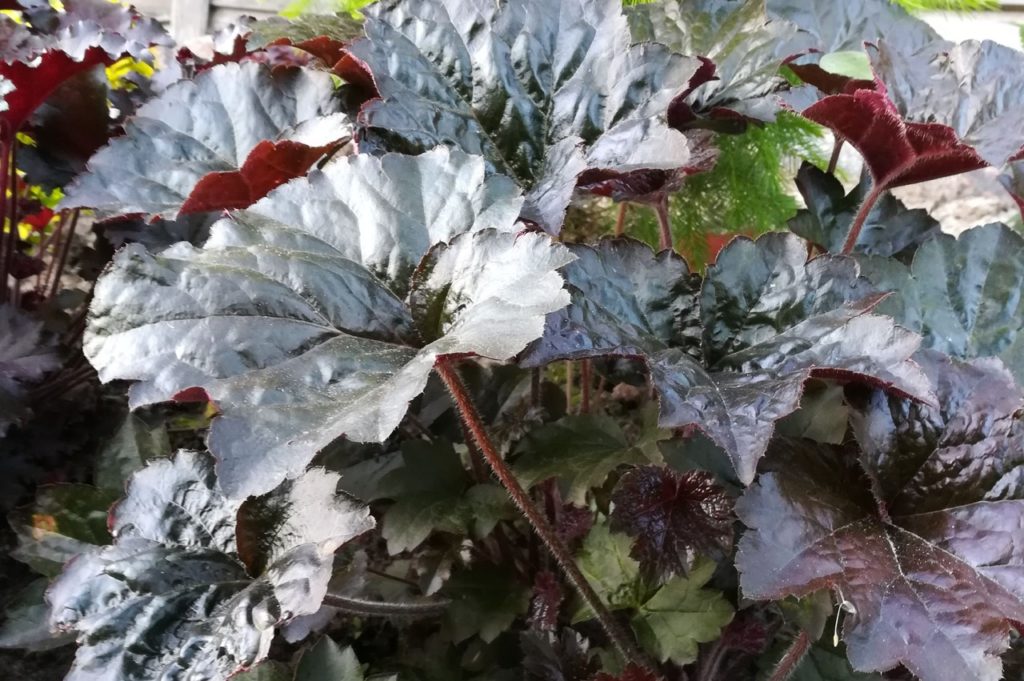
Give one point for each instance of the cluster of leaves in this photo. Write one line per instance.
(386, 424)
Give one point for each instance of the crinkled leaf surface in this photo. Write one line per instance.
(220, 141)
(172, 598)
(962, 294)
(671, 516)
(967, 87)
(283, 325)
(746, 47)
(542, 90)
(771, 319)
(891, 229)
(27, 354)
(920, 529)
(840, 26)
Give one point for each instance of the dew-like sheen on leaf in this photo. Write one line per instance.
(542, 90)
(172, 599)
(920, 530)
(288, 331)
(220, 141)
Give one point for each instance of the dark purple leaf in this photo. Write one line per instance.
(547, 657)
(918, 530)
(771, 320)
(27, 354)
(964, 294)
(588, 99)
(268, 165)
(891, 230)
(66, 130)
(632, 673)
(547, 601)
(672, 516)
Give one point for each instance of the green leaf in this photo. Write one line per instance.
(851, 63)
(605, 561)
(486, 600)
(135, 444)
(288, 316)
(297, 29)
(432, 493)
(27, 621)
(265, 671)
(327, 661)
(681, 615)
(580, 452)
(64, 521)
(174, 561)
(822, 664)
(576, 94)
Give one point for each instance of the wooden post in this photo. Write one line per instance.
(189, 18)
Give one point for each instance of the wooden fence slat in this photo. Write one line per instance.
(189, 18)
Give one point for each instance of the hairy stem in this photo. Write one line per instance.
(837, 149)
(368, 608)
(664, 223)
(471, 417)
(862, 216)
(787, 665)
(620, 221)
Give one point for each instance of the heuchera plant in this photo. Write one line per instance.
(386, 424)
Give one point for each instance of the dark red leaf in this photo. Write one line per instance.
(573, 524)
(34, 84)
(649, 186)
(633, 673)
(671, 515)
(269, 165)
(24, 266)
(919, 529)
(828, 82)
(547, 601)
(896, 152)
